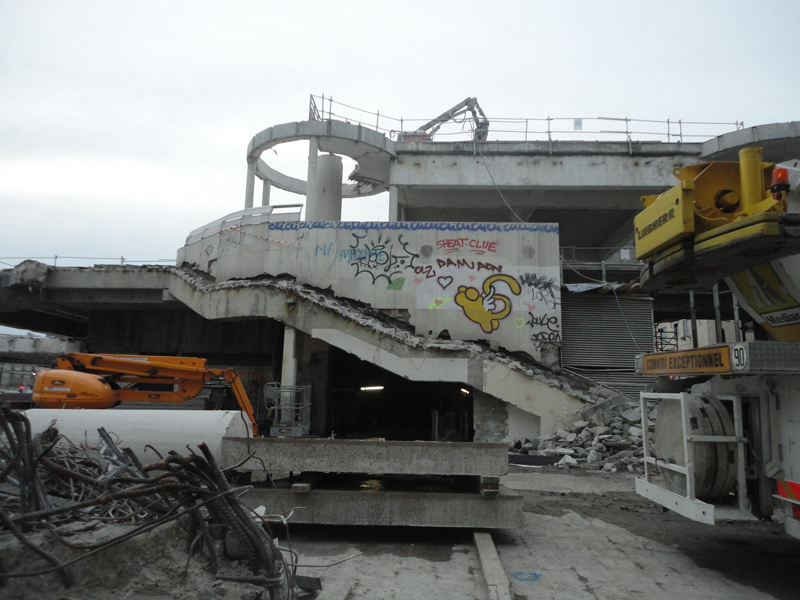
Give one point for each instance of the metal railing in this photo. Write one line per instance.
(611, 255)
(666, 339)
(257, 215)
(55, 258)
(548, 129)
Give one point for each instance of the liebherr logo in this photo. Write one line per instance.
(651, 227)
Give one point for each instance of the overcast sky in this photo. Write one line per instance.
(124, 125)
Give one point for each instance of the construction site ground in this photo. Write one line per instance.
(587, 536)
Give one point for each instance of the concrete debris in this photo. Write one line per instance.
(567, 461)
(608, 439)
(633, 415)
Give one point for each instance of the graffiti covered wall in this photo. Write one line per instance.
(492, 281)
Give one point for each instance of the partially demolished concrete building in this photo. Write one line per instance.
(455, 320)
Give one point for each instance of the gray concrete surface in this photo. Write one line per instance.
(35, 349)
(586, 535)
(593, 482)
(582, 558)
(366, 456)
(416, 508)
(780, 141)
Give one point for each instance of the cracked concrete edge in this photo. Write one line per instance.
(282, 299)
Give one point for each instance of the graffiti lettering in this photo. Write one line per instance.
(229, 241)
(450, 245)
(325, 250)
(348, 255)
(381, 258)
(545, 336)
(549, 329)
(548, 322)
(426, 270)
(543, 289)
(469, 264)
(490, 267)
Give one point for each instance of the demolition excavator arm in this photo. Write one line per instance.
(468, 105)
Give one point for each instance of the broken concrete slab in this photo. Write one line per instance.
(632, 415)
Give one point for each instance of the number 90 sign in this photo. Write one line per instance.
(738, 357)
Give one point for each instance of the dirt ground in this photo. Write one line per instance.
(587, 536)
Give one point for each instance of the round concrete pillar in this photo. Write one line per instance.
(324, 197)
(265, 192)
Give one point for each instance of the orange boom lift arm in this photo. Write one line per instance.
(104, 380)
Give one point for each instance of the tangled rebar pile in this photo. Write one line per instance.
(47, 481)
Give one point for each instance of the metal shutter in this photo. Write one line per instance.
(600, 344)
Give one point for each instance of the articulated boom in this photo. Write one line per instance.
(97, 381)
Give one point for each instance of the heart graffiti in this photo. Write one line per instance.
(437, 303)
(445, 281)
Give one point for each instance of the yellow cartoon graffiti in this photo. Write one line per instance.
(481, 308)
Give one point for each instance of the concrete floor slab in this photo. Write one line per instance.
(366, 456)
(393, 508)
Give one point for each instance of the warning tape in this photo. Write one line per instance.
(789, 490)
(239, 228)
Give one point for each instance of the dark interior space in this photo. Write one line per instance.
(366, 401)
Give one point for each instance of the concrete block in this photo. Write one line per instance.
(338, 590)
(490, 487)
(493, 571)
(633, 415)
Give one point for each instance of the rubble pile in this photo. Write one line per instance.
(607, 437)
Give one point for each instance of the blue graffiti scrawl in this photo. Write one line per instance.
(384, 257)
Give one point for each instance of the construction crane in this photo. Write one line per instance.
(727, 414)
(426, 132)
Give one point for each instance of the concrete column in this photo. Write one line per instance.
(316, 360)
(394, 204)
(311, 177)
(489, 417)
(324, 198)
(289, 368)
(250, 188)
(265, 190)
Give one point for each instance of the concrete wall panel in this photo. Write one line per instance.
(553, 406)
(497, 282)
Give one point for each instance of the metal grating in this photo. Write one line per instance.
(600, 344)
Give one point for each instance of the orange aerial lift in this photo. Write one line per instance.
(99, 381)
